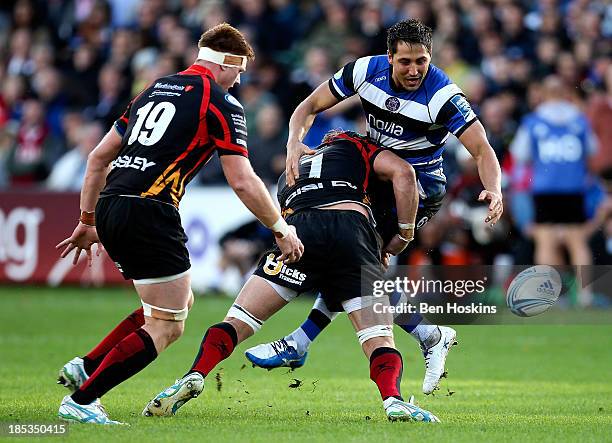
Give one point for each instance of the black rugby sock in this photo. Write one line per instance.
(128, 357)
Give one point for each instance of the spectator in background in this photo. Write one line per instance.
(568, 70)
(83, 69)
(599, 112)
(601, 226)
(498, 125)
(43, 56)
(333, 31)
(24, 15)
(123, 12)
(47, 83)
(12, 92)
(449, 60)
(110, 103)
(241, 248)
(557, 140)
(34, 150)
(124, 43)
(547, 51)
(254, 98)
(371, 28)
(68, 172)
(518, 40)
(93, 18)
(267, 145)
(304, 79)
(19, 59)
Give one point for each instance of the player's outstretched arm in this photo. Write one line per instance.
(475, 140)
(390, 167)
(253, 193)
(300, 122)
(98, 161)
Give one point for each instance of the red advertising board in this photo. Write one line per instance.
(31, 224)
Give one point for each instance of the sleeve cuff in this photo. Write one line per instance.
(462, 129)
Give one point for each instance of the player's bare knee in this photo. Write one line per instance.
(380, 342)
(174, 330)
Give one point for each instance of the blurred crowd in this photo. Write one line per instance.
(69, 67)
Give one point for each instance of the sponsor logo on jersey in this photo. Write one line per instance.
(302, 189)
(343, 183)
(160, 85)
(239, 120)
(165, 94)
(188, 88)
(125, 161)
(380, 79)
(422, 222)
(231, 99)
(388, 127)
(462, 105)
(278, 268)
(392, 104)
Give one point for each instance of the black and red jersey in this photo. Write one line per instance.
(170, 130)
(339, 172)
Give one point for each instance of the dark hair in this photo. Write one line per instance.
(225, 38)
(408, 31)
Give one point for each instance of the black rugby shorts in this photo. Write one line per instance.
(144, 237)
(341, 256)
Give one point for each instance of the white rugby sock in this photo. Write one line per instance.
(428, 335)
(312, 326)
(302, 342)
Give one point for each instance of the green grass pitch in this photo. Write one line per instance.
(508, 383)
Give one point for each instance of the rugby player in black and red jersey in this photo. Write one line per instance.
(329, 206)
(134, 182)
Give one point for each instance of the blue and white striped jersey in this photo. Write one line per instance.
(415, 124)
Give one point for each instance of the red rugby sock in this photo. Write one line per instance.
(218, 343)
(128, 357)
(131, 323)
(386, 371)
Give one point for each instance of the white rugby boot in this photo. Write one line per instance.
(435, 358)
(399, 410)
(73, 375)
(276, 354)
(167, 402)
(92, 413)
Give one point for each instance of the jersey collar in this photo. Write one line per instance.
(196, 69)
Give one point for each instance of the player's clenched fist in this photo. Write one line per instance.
(295, 150)
(291, 246)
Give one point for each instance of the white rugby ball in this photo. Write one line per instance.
(534, 290)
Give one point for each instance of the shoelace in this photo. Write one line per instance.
(280, 346)
(426, 353)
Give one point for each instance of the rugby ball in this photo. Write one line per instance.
(534, 290)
